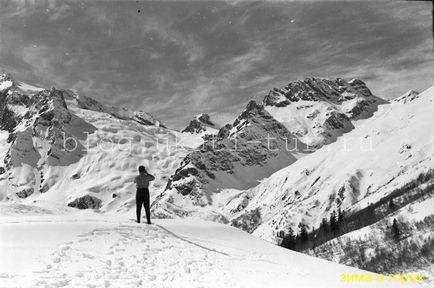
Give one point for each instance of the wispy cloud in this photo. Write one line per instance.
(226, 75)
(156, 28)
(178, 59)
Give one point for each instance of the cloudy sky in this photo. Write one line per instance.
(178, 59)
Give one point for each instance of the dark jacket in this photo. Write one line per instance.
(143, 179)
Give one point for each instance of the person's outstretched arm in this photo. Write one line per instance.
(150, 177)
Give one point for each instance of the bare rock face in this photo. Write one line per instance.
(352, 98)
(25, 193)
(44, 133)
(302, 115)
(317, 89)
(8, 119)
(47, 119)
(319, 110)
(407, 97)
(248, 221)
(199, 124)
(195, 127)
(206, 119)
(50, 142)
(38, 122)
(336, 121)
(255, 141)
(86, 202)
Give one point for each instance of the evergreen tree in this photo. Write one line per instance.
(289, 240)
(324, 226)
(392, 204)
(395, 229)
(340, 216)
(333, 221)
(303, 233)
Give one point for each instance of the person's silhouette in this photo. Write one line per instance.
(142, 194)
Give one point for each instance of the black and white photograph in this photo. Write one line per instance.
(216, 144)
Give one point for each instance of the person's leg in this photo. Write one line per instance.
(139, 201)
(147, 208)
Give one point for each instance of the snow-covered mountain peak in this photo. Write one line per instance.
(318, 110)
(317, 89)
(6, 81)
(350, 174)
(84, 102)
(247, 117)
(205, 118)
(263, 138)
(253, 123)
(62, 147)
(6, 77)
(19, 111)
(9, 83)
(242, 153)
(201, 124)
(252, 109)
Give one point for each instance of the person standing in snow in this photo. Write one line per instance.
(142, 194)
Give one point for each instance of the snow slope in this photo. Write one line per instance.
(60, 148)
(375, 248)
(319, 110)
(289, 123)
(91, 250)
(381, 154)
(242, 153)
(44, 172)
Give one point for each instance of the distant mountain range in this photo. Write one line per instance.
(308, 150)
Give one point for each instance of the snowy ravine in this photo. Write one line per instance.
(91, 250)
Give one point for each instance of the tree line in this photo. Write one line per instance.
(339, 223)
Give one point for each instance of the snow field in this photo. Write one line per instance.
(91, 250)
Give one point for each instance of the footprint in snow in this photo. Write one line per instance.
(101, 233)
(152, 277)
(64, 248)
(41, 282)
(86, 234)
(60, 283)
(56, 260)
(88, 256)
